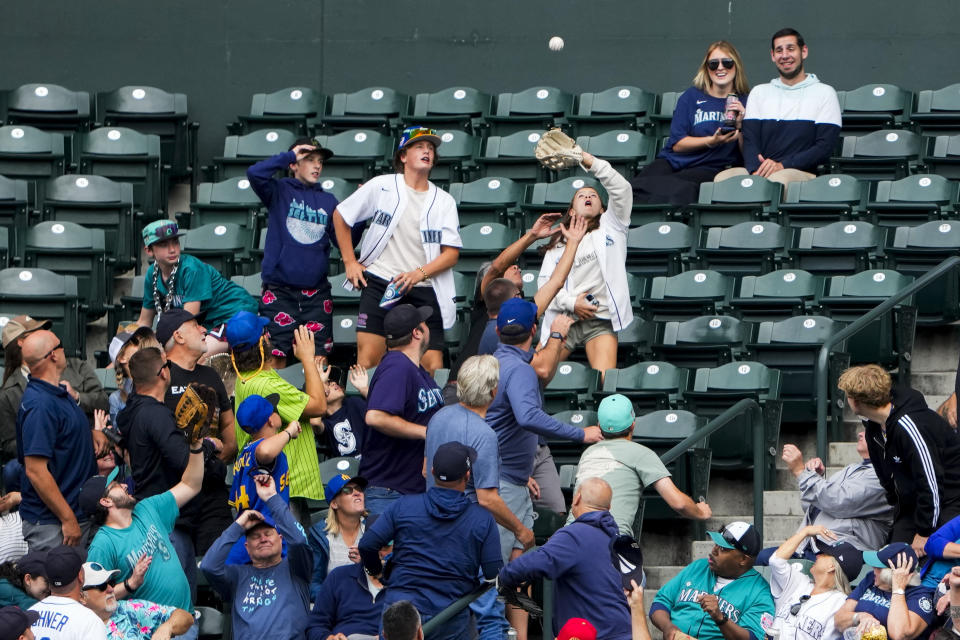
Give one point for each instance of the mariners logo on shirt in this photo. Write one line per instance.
(304, 223)
(926, 604)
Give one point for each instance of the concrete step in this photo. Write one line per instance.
(730, 495)
(840, 454)
(782, 503)
(934, 383)
(657, 576)
(715, 523)
(935, 349)
(780, 527)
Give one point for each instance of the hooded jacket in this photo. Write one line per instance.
(917, 461)
(796, 125)
(586, 584)
(299, 225)
(441, 540)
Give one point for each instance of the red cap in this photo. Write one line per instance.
(577, 629)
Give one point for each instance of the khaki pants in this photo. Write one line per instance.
(784, 176)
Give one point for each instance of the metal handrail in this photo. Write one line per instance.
(855, 327)
(741, 407)
(454, 608)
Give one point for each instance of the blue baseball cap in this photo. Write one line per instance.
(881, 559)
(516, 316)
(255, 410)
(336, 484)
(244, 329)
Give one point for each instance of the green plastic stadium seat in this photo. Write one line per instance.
(210, 622)
(937, 112)
(888, 154)
(154, 111)
(942, 156)
(108, 379)
(626, 150)
(252, 284)
(126, 155)
(687, 294)
(887, 341)
(50, 107)
(481, 243)
(735, 200)
(748, 248)
(916, 250)
(839, 247)
(705, 341)
(372, 108)
(568, 452)
(358, 154)
(874, 106)
(635, 342)
(622, 107)
(793, 346)
(130, 305)
(340, 188)
(44, 294)
(296, 109)
(490, 199)
(344, 302)
(27, 153)
(345, 335)
(293, 375)
(68, 248)
(456, 156)
(462, 108)
(912, 200)
(534, 108)
(649, 385)
(14, 212)
(228, 201)
(717, 389)
(664, 112)
(96, 203)
(777, 295)
(512, 157)
(332, 467)
(572, 387)
(823, 200)
(660, 248)
(4, 247)
(220, 245)
(239, 152)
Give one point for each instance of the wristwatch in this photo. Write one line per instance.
(723, 620)
(556, 334)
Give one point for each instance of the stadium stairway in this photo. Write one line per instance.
(731, 496)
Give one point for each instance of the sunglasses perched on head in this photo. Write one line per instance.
(727, 63)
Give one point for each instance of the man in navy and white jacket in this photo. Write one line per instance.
(585, 585)
(792, 123)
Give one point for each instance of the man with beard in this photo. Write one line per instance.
(792, 123)
(402, 399)
(250, 350)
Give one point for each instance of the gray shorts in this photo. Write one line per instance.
(517, 499)
(583, 331)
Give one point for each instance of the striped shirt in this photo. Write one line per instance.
(305, 481)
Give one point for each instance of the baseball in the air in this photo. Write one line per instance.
(556, 43)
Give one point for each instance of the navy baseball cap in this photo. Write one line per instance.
(516, 316)
(244, 329)
(339, 481)
(94, 489)
(452, 461)
(881, 559)
(848, 556)
(403, 319)
(255, 410)
(63, 565)
(738, 535)
(170, 321)
(34, 563)
(14, 621)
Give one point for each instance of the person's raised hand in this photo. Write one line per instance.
(576, 230)
(543, 227)
(323, 367)
(583, 308)
(902, 570)
(140, 571)
(303, 150)
(101, 443)
(250, 518)
(820, 531)
(634, 596)
(293, 429)
(359, 378)
(304, 345)
(100, 418)
(592, 434)
(704, 512)
(815, 465)
(793, 458)
(266, 487)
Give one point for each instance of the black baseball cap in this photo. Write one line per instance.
(403, 319)
(848, 556)
(323, 151)
(170, 321)
(63, 565)
(452, 461)
(14, 621)
(738, 535)
(34, 563)
(627, 557)
(94, 489)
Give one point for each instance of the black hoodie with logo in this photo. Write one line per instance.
(917, 462)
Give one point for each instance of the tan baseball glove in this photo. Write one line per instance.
(196, 411)
(557, 151)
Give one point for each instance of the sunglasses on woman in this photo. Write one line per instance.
(727, 63)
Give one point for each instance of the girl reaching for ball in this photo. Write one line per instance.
(595, 293)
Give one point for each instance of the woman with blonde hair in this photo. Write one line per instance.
(803, 603)
(701, 144)
(334, 540)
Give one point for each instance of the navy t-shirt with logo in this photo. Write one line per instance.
(873, 600)
(403, 389)
(346, 428)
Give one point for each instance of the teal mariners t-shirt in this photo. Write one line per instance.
(153, 520)
(746, 600)
(197, 281)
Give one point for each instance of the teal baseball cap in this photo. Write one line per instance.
(615, 414)
(160, 230)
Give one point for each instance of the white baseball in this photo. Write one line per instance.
(556, 43)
